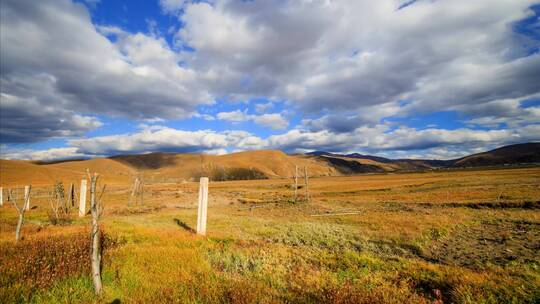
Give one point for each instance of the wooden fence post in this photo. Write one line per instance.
(307, 185)
(96, 209)
(27, 197)
(1, 196)
(295, 183)
(141, 190)
(21, 209)
(203, 206)
(71, 195)
(82, 199)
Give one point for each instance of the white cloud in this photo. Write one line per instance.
(509, 112)
(233, 116)
(343, 55)
(343, 121)
(274, 121)
(27, 120)
(380, 139)
(263, 107)
(172, 6)
(51, 53)
(346, 65)
(158, 138)
(204, 116)
(45, 155)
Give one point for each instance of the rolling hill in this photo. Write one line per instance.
(17, 172)
(241, 165)
(170, 167)
(527, 153)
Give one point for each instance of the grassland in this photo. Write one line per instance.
(455, 237)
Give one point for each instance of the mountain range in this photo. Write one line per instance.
(261, 164)
(527, 153)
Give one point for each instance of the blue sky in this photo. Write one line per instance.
(435, 79)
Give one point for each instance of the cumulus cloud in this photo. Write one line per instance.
(343, 121)
(379, 139)
(233, 116)
(348, 54)
(45, 155)
(25, 120)
(204, 116)
(346, 65)
(274, 121)
(51, 53)
(172, 6)
(263, 107)
(159, 138)
(506, 112)
(413, 142)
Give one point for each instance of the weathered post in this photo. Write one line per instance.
(71, 197)
(141, 189)
(295, 183)
(96, 209)
(82, 202)
(21, 210)
(307, 185)
(203, 206)
(1, 196)
(134, 190)
(27, 197)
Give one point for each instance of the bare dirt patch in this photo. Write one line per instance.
(137, 210)
(493, 205)
(495, 242)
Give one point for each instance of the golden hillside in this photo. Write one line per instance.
(163, 167)
(170, 167)
(17, 172)
(179, 167)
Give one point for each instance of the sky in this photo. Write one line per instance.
(397, 78)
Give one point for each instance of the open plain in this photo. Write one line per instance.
(454, 236)
(270, 151)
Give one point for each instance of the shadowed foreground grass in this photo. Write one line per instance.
(413, 250)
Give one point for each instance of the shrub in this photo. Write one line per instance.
(221, 174)
(61, 204)
(38, 263)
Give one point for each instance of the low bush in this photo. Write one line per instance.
(37, 263)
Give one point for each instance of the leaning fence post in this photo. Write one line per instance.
(203, 206)
(27, 197)
(21, 210)
(82, 202)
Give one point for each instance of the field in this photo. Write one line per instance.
(468, 236)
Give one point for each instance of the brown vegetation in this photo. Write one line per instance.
(455, 237)
(40, 261)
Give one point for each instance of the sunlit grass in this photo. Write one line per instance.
(279, 253)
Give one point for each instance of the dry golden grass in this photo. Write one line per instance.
(465, 234)
(162, 168)
(19, 173)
